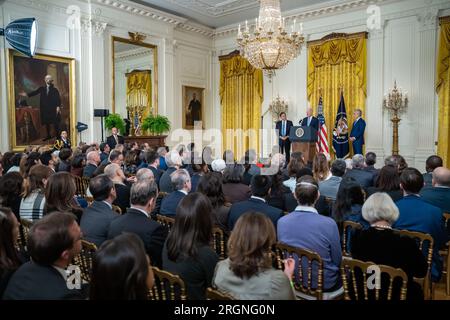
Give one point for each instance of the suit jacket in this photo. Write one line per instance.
(170, 203)
(418, 215)
(428, 178)
(95, 222)
(47, 103)
(437, 196)
(103, 156)
(112, 142)
(314, 122)
(151, 232)
(89, 170)
(252, 204)
(278, 127)
(157, 173)
(165, 183)
(329, 188)
(36, 282)
(364, 178)
(123, 196)
(236, 192)
(358, 132)
(374, 172)
(63, 166)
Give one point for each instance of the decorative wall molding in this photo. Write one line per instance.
(133, 53)
(96, 27)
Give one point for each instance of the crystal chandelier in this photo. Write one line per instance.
(270, 47)
(278, 106)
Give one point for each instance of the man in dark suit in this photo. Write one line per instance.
(418, 215)
(283, 128)
(49, 105)
(439, 193)
(114, 139)
(53, 242)
(96, 219)
(115, 173)
(310, 120)
(181, 182)
(174, 162)
(432, 163)
(364, 178)
(330, 187)
(357, 133)
(152, 159)
(92, 162)
(371, 159)
(195, 110)
(104, 151)
(260, 186)
(137, 220)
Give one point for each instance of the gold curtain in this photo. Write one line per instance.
(334, 62)
(141, 80)
(443, 90)
(241, 96)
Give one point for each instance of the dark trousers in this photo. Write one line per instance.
(285, 148)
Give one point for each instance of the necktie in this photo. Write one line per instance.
(284, 129)
(48, 89)
(115, 138)
(309, 121)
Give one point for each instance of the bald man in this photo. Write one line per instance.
(310, 120)
(439, 194)
(92, 162)
(49, 105)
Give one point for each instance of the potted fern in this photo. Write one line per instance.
(156, 124)
(115, 120)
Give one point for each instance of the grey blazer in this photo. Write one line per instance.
(329, 188)
(95, 222)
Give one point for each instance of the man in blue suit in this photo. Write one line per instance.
(283, 128)
(439, 194)
(357, 133)
(418, 215)
(260, 186)
(181, 182)
(310, 120)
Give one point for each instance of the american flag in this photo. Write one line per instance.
(322, 143)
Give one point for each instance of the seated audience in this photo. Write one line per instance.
(33, 196)
(181, 182)
(349, 202)
(364, 178)
(92, 162)
(381, 245)
(233, 187)
(77, 165)
(371, 159)
(115, 173)
(247, 273)
(145, 174)
(228, 157)
(306, 229)
(64, 160)
(388, 181)
(260, 187)
(162, 151)
(321, 170)
(10, 190)
(173, 161)
(97, 217)
(10, 259)
(199, 170)
(31, 160)
(136, 220)
(152, 159)
(60, 195)
(131, 162)
(296, 166)
(278, 192)
(121, 270)
(104, 151)
(210, 185)
(418, 215)
(187, 251)
(396, 161)
(15, 163)
(6, 161)
(329, 188)
(439, 193)
(49, 159)
(53, 242)
(432, 163)
(218, 165)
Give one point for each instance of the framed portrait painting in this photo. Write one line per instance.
(193, 106)
(41, 99)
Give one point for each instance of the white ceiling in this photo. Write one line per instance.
(220, 13)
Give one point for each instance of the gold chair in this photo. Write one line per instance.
(24, 230)
(422, 239)
(116, 209)
(356, 282)
(167, 286)
(446, 258)
(306, 286)
(219, 243)
(84, 259)
(79, 183)
(214, 294)
(165, 221)
(348, 227)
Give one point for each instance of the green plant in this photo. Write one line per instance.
(157, 125)
(115, 120)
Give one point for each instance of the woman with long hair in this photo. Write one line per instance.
(121, 270)
(187, 251)
(9, 256)
(388, 181)
(233, 187)
(30, 160)
(349, 201)
(248, 274)
(33, 196)
(60, 195)
(211, 186)
(10, 189)
(296, 168)
(321, 169)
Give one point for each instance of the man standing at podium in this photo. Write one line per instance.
(310, 120)
(357, 134)
(284, 127)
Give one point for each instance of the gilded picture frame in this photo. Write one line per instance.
(31, 123)
(191, 109)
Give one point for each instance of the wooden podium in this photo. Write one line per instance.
(153, 141)
(303, 139)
